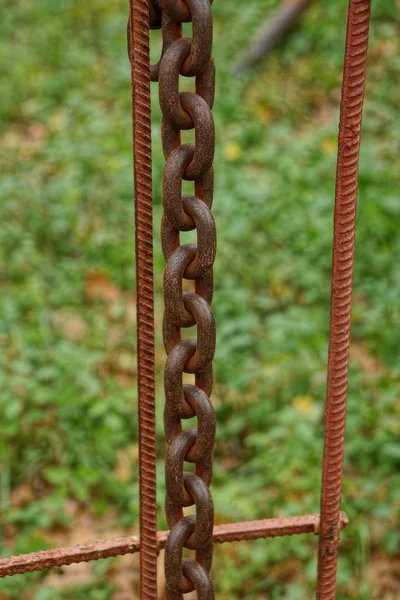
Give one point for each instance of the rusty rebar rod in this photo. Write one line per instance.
(231, 532)
(141, 116)
(342, 279)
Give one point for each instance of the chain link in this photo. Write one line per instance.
(190, 57)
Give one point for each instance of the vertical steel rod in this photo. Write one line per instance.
(342, 280)
(141, 114)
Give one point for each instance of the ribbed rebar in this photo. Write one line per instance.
(141, 114)
(230, 532)
(342, 280)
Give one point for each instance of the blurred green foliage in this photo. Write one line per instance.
(67, 378)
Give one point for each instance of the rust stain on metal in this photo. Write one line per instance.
(181, 111)
(37, 561)
(141, 115)
(342, 280)
(190, 57)
(267, 528)
(231, 532)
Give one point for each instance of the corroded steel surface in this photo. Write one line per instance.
(232, 532)
(190, 57)
(342, 280)
(139, 50)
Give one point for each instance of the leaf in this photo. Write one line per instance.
(100, 287)
(304, 405)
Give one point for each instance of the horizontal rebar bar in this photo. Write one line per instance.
(231, 532)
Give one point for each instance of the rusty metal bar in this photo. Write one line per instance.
(232, 532)
(342, 280)
(141, 116)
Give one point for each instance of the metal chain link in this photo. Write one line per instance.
(190, 57)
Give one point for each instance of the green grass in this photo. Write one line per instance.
(67, 335)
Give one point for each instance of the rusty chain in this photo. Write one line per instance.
(190, 57)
